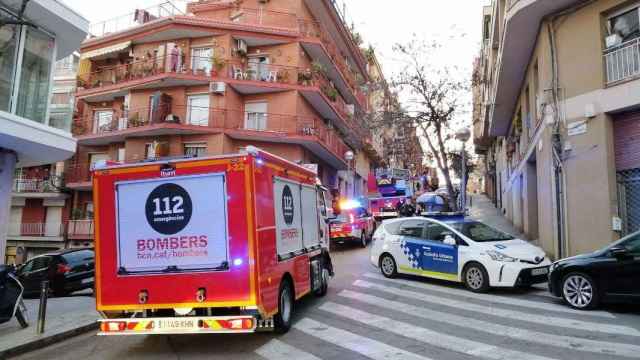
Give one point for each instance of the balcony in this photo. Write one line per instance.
(622, 62)
(310, 132)
(114, 81)
(78, 177)
(136, 18)
(320, 45)
(52, 184)
(36, 230)
(521, 27)
(166, 119)
(80, 229)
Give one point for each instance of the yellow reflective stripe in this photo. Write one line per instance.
(431, 274)
(213, 324)
(141, 325)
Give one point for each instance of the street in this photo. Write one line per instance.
(367, 316)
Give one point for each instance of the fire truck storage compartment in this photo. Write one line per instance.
(297, 227)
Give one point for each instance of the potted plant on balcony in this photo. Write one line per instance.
(318, 68)
(218, 64)
(330, 92)
(305, 77)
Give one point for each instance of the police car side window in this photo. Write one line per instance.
(413, 228)
(437, 232)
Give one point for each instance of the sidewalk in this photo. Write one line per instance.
(66, 317)
(484, 211)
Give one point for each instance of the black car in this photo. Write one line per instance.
(611, 274)
(66, 270)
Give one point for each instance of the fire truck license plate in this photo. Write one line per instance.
(175, 324)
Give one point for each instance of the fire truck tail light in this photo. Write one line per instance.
(113, 326)
(237, 324)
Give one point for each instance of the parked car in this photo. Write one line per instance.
(611, 274)
(66, 270)
(458, 250)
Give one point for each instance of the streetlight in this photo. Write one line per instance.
(349, 156)
(463, 135)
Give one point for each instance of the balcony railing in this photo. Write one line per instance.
(313, 29)
(80, 229)
(36, 229)
(78, 173)
(136, 18)
(623, 61)
(262, 17)
(38, 185)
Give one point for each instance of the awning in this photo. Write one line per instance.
(106, 50)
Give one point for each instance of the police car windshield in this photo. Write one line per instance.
(480, 232)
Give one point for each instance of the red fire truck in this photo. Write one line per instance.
(208, 245)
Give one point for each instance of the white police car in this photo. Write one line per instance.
(458, 250)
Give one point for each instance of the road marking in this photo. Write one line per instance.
(561, 341)
(278, 350)
(368, 347)
(510, 314)
(490, 298)
(434, 338)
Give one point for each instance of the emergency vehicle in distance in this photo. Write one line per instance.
(458, 250)
(220, 244)
(390, 189)
(352, 223)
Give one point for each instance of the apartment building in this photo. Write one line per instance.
(283, 75)
(28, 136)
(557, 119)
(39, 208)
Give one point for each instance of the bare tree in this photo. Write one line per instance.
(436, 93)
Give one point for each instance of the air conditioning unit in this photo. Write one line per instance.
(217, 87)
(613, 40)
(241, 46)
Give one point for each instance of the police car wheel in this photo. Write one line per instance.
(579, 291)
(285, 308)
(388, 266)
(475, 278)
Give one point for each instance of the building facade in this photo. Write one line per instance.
(39, 207)
(28, 137)
(557, 103)
(282, 75)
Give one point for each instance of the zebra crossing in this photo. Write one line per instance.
(406, 318)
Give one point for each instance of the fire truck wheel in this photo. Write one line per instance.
(324, 279)
(285, 307)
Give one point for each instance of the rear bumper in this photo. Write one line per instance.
(182, 325)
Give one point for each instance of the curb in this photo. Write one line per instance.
(47, 340)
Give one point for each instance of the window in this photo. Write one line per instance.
(413, 228)
(198, 110)
(61, 120)
(256, 116)
(633, 245)
(97, 157)
(103, 121)
(88, 210)
(625, 26)
(40, 263)
(480, 232)
(79, 257)
(121, 154)
(437, 232)
(9, 35)
(35, 75)
(201, 59)
(196, 149)
(259, 68)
